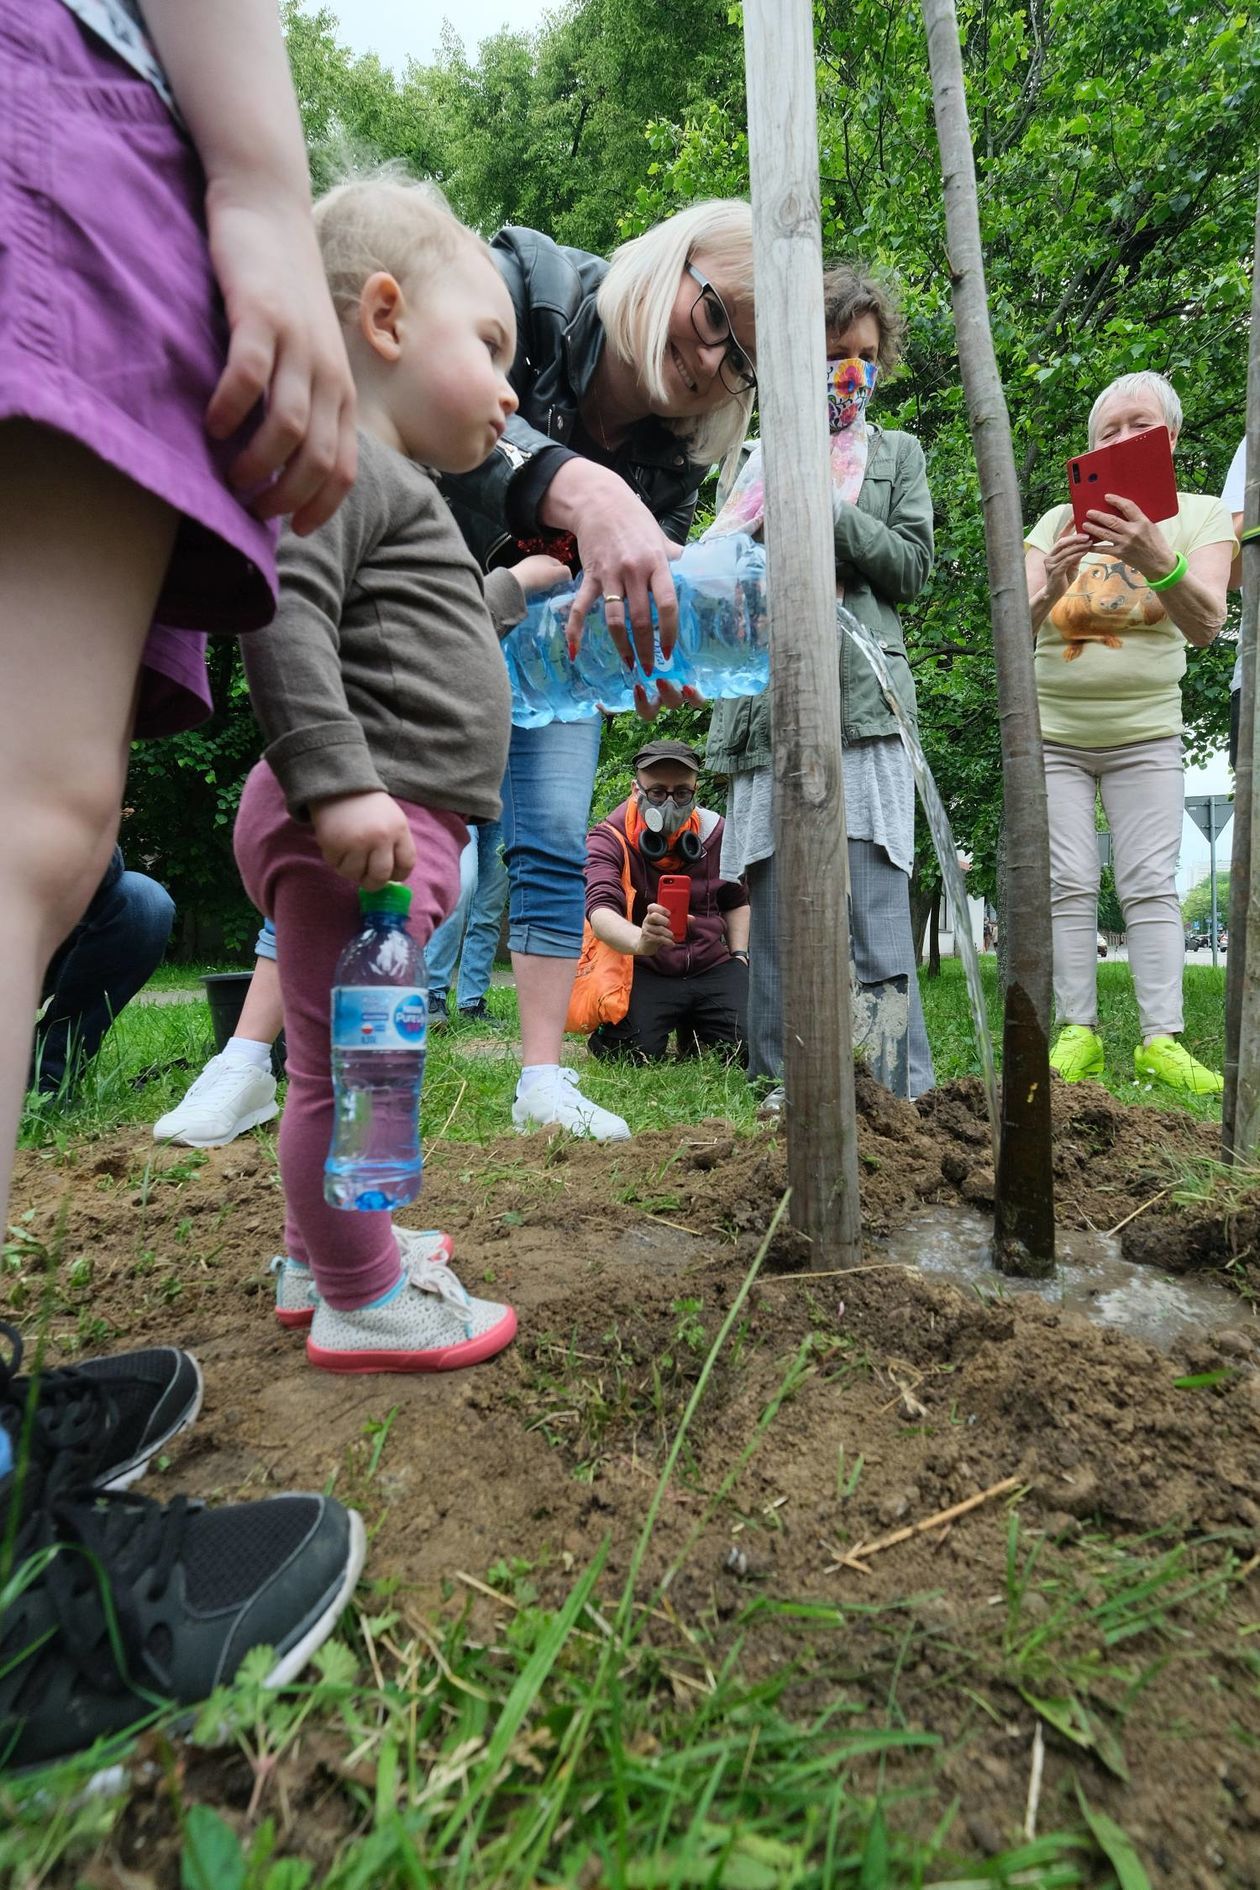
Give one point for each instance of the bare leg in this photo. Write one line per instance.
(543, 989)
(262, 1013)
(83, 555)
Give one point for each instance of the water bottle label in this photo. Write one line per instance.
(378, 1017)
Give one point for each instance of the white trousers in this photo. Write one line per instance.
(1143, 795)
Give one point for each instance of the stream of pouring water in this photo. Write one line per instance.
(946, 853)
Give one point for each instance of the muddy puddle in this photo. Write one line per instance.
(1091, 1277)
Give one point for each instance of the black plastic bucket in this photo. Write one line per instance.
(225, 994)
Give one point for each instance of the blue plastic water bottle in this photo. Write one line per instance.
(723, 646)
(380, 1015)
(723, 623)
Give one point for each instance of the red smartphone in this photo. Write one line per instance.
(674, 893)
(1139, 468)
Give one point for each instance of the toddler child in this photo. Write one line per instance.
(385, 704)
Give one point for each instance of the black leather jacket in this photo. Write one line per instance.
(558, 345)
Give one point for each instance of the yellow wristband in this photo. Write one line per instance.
(1174, 576)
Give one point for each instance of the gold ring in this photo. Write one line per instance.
(613, 597)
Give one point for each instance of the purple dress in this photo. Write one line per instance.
(112, 327)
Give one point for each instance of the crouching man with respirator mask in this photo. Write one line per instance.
(655, 897)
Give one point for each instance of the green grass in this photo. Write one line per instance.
(470, 1082)
(565, 1752)
(170, 977)
(953, 1045)
(154, 1050)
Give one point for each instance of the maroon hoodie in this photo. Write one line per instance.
(711, 895)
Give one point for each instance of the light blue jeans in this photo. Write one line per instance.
(483, 885)
(546, 811)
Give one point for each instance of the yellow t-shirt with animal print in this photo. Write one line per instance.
(1109, 662)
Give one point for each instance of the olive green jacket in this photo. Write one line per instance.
(883, 557)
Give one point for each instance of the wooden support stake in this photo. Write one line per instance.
(810, 850)
(1240, 1119)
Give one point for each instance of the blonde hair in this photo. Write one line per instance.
(637, 296)
(1144, 382)
(385, 219)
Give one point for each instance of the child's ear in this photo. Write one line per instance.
(380, 315)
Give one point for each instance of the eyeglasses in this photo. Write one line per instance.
(713, 327)
(680, 796)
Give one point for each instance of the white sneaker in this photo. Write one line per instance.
(297, 1295)
(431, 1325)
(226, 1099)
(555, 1101)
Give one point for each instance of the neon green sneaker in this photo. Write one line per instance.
(1077, 1053)
(1164, 1060)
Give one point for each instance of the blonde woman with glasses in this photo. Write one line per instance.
(634, 375)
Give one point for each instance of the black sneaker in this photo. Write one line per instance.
(111, 1414)
(477, 1013)
(119, 1608)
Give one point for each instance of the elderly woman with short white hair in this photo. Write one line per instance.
(1113, 608)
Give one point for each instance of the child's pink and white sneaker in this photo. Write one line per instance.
(429, 1324)
(297, 1295)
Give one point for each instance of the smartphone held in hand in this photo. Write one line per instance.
(674, 893)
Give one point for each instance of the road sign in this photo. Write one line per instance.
(1210, 812)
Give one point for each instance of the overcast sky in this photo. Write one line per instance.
(398, 30)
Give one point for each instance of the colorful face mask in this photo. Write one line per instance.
(850, 382)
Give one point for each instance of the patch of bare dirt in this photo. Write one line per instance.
(622, 1262)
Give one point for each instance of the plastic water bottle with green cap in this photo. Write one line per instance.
(380, 1021)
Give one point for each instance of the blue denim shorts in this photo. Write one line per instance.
(546, 812)
(265, 943)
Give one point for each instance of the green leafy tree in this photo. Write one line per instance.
(182, 794)
(1110, 914)
(1115, 151)
(1196, 907)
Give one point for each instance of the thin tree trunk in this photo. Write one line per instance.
(934, 935)
(1240, 1120)
(805, 670)
(1024, 1200)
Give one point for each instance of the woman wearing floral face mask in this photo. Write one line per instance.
(883, 539)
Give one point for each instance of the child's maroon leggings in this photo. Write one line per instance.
(354, 1256)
